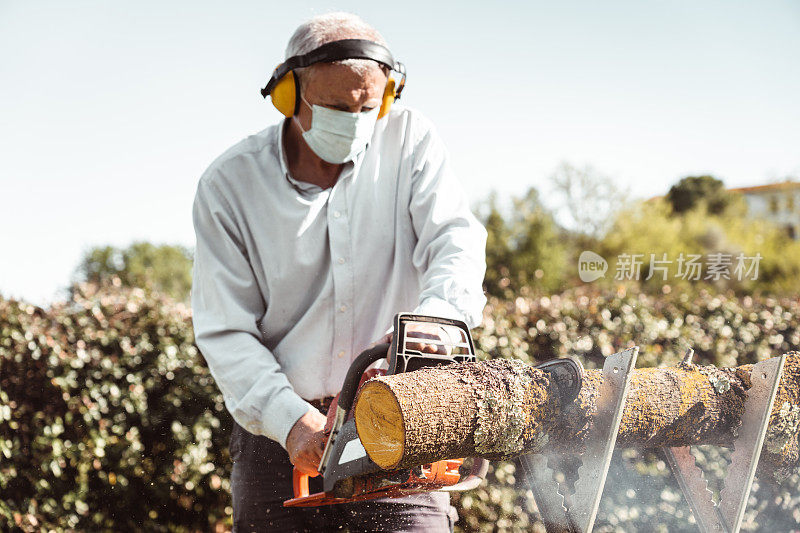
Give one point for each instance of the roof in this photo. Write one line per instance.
(770, 187)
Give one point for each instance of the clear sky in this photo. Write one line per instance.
(111, 110)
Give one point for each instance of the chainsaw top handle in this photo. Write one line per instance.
(357, 368)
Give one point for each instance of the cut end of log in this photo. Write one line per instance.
(379, 422)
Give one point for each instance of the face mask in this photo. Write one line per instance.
(338, 136)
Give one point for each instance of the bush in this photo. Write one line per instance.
(109, 420)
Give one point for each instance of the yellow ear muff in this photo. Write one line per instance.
(284, 95)
(388, 98)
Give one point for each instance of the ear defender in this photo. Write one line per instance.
(284, 89)
(284, 94)
(389, 94)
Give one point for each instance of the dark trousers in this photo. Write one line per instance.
(262, 480)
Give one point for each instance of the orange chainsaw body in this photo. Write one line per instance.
(366, 482)
(429, 477)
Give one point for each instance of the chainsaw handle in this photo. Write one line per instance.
(357, 368)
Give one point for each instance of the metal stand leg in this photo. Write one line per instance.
(579, 516)
(727, 515)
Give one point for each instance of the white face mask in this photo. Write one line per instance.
(338, 136)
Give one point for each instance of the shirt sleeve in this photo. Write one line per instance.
(451, 243)
(226, 307)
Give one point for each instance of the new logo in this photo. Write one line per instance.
(591, 266)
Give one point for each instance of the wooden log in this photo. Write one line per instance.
(503, 408)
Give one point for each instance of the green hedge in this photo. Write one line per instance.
(109, 419)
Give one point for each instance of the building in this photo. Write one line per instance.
(776, 202)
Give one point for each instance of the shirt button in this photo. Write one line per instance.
(340, 354)
(343, 308)
(341, 260)
(337, 214)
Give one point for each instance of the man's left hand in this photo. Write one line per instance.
(306, 442)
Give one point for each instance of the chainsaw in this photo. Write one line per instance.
(348, 473)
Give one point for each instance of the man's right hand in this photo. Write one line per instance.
(434, 332)
(306, 442)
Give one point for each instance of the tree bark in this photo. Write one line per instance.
(499, 409)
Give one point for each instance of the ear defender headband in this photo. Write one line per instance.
(284, 89)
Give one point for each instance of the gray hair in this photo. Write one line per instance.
(332, 27)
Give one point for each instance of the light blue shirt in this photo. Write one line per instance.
(292, 282)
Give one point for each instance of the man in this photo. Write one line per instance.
(311, 235)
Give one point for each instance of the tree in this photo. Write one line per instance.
(587, 200)
(498, 249)
(539, 257)
(165, 268)
(692, 191)
(524, 248)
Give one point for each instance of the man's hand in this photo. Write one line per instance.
(306, 442)
(434, 332)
